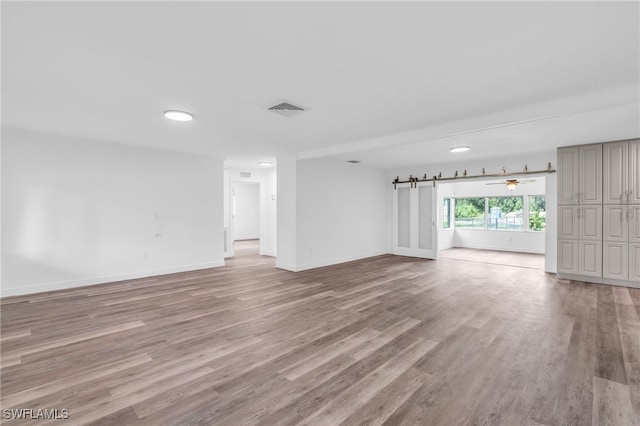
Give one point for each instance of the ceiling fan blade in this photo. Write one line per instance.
(495, 183)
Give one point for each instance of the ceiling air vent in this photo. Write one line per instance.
(245, 174)
(287, 109)
(353, 161)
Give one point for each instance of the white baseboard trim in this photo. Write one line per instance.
(598, 280)
(267, 253)
(102, 279)
(286, 266)
(499, 248)
(323, 263)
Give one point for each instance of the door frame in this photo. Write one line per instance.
(231, 235)
(414, 222)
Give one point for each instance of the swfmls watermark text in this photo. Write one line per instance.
(35, 414)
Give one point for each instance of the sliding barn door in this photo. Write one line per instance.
(414, 221)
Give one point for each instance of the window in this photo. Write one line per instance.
(446, 213)
(506, 213)
(497, 213)
(537, 217)
(469, 213)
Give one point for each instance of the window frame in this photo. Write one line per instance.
(484, 227)
(543, 230)
(523, 226)
(446, 213)
(526, 213)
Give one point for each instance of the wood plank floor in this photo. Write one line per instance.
(524, 260)
(387, 340)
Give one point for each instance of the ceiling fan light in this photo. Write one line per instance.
(511, 185)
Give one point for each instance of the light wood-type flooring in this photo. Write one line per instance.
(507, 258)
(386, 340)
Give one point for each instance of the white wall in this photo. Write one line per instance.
(446, 236)
(269, 224)
(551, 231)
(267, 180)
(226, 204)
(287, 213)
(505, 240)
(522, 242)
(246, 211)
(79, 211)
(342, 212)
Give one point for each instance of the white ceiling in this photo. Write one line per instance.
(422, 75)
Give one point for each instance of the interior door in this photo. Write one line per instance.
(414, 220)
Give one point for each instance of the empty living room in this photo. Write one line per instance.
(320, 213)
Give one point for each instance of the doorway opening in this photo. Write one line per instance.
(245, 214)
(250, 213)
(488, 221)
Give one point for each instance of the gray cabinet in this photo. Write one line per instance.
(568, 253)
(568, 175)
(616, 223)
(590, 175)
(580, 210)
(568, 222)
(616, 237)
(599, 212)
(634, 173)
(615, 167)
(580, 175)
(634, 263)
(615, 261)
(621, 210)
(633, 214)
(590, 222)
(590, 260)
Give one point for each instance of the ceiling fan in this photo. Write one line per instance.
(510, 183)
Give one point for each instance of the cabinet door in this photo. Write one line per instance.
(634, 262)
(634, 174)
(614, 264)
(590, 261)
(568, 252)
(615, 172)
(634, 224)
(568, 223)
(615, 223)
(568, 176)
(591, 223)
(590, 170)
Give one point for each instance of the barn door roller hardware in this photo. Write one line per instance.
(413, 181)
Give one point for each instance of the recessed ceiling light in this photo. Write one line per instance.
(265, 163)
(459, 149)
(178, 115)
